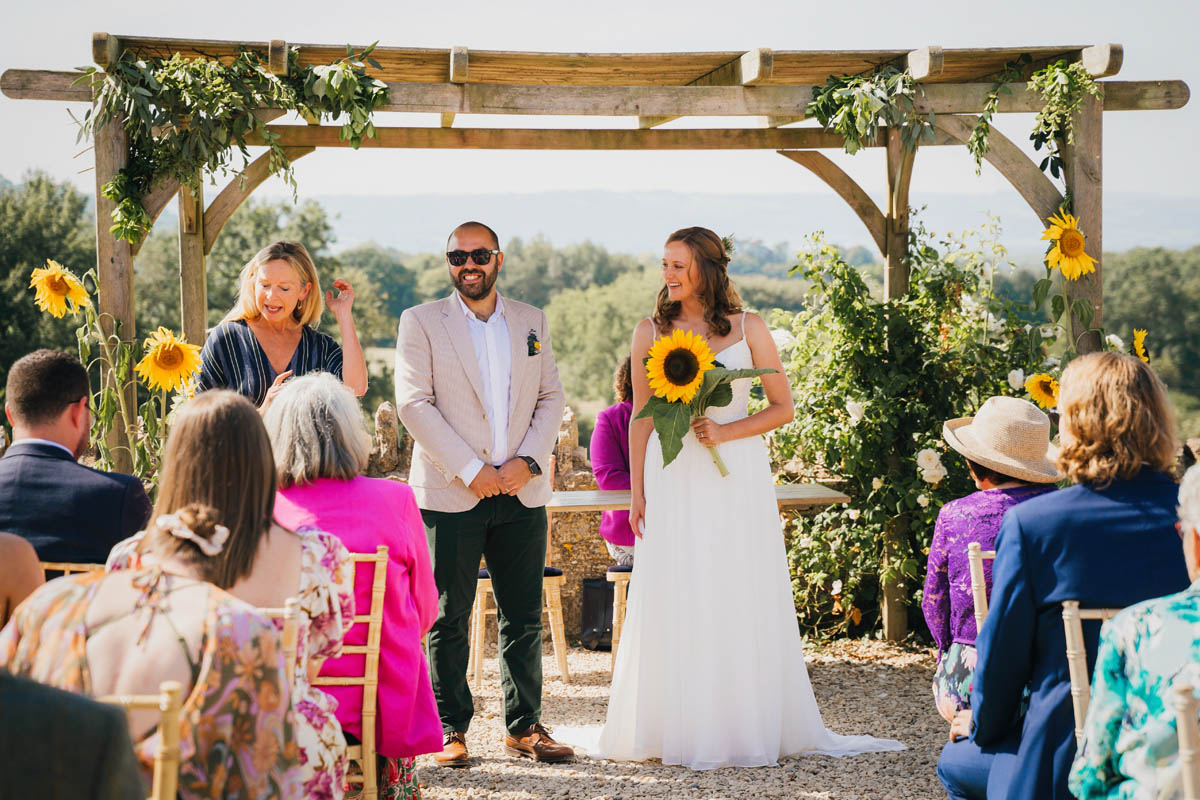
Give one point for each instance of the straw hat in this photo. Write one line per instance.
(1008, 435)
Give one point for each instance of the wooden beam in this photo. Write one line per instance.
(926, 62)
(1102, 60)
(844, 185)
(106, 49)
(1083, 162)
(459, 65)
(752, 67)
(193, 283)
(239, 189)
(1032, 184)
(277, 57)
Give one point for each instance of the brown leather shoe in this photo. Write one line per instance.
(454, 751)
(536, 743)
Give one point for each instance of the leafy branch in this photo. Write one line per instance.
(1063, 88)
(855, 106)
(978, 145)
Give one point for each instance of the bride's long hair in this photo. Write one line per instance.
(716, 292)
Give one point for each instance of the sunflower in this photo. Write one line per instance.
(1067, 253)
(57, 288)
(676, 365)
(1043, 389)
(1139, 344)
(169, 362)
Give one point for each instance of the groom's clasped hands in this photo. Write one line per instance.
(509, 478)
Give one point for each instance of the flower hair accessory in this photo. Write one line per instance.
(173, 525)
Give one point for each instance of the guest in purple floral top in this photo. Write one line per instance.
(1005, 446)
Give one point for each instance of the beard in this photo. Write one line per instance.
(479, 290)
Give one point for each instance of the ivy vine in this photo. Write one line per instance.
(855, 106)
(978, 145)
(185, 116)
(1063, 88)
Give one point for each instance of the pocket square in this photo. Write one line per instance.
(535, 346)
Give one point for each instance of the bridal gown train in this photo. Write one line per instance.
(710, 671)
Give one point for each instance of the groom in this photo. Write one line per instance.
(477, 388)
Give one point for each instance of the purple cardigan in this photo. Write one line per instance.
(948, 604)
(610, 464)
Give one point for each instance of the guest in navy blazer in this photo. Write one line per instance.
(67, 511)
(1109, 541)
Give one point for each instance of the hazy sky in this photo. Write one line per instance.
(1144, 151)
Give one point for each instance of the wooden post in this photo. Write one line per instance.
(895, 286)
(114, 270)
(193, 292)
(1083, 164)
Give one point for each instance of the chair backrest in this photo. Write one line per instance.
(369, 680)
(168, 701)
(290, 637)
(975, 556)
(1081, 690)
(68, 568)
(1189, 740)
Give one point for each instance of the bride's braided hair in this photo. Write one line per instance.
(714, 289)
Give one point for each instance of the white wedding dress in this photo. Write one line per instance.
(710, 671)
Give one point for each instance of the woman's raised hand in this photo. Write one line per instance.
(342, 303)
(273, 390)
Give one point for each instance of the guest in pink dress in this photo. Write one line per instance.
(321, 446)
(610, 463)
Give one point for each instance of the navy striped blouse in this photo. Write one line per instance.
(232, 358)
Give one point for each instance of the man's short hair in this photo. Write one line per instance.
(42, 384)
(478, 225)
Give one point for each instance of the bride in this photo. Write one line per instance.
(710, 672)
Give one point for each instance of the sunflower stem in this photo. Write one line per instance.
(716, 457)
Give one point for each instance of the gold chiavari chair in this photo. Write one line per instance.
(975, 556)
(1081, 688)
(69, 568)
(290, 636)
(169, 702)
(1189, 740)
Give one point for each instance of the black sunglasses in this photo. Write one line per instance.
(459, 257)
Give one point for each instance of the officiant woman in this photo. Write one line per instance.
(271, 334)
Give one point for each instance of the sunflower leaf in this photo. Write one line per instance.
(672, 422)
(720, 396)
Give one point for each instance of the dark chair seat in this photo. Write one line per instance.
(620, 568)
(547, 572)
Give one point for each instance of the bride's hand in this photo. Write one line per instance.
(637, 514)
(708, 432)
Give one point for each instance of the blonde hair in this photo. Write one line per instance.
(1118, 418)
(308, 311)
(317, 430)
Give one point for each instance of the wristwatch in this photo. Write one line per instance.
(534, 469)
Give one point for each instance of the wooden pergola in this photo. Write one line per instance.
(769, 89)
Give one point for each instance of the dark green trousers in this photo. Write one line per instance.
(512, 540)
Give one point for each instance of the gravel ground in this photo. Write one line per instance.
(862, 687)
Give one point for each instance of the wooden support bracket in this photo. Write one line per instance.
(752, 67)
(106, 49)
(238, 190)
(926, 62)
(833, 175)
(1102, 60)
(277, 57)
(458, 64)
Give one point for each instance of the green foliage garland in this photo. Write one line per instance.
(855, 106)
(1063, 88)
(977, 145)
(185, 115)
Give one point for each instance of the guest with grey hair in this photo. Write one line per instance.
(321, 447)
(1130, 747)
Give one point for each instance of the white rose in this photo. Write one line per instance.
(1016, 379)
(996, 324)
(782, 338)
(852, 514)
(922, 500)
(1115, 342)
(1051, 362)
(877, 484)
(855, 410)
(934, 475)
(916, 437)
(836, 588)
(928, 459)
(1047, 331)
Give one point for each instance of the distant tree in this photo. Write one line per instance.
(535, 271)
(762, 293)
(388, 276)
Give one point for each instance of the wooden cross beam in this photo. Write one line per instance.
(754, 66)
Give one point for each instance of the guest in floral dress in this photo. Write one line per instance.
(124, 633)
(1130, 743)
(219, 454)
(321, 447)
(1005, 446)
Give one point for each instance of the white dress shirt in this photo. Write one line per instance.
(493, 352)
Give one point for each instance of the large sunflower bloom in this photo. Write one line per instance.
(676, 365)
(169, 362)
(57, 288)
(1139, 344)
(1067, 253)
(1043, 389)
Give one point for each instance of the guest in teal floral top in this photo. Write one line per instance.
(1130, 747)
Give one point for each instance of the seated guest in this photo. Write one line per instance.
(610, 463)
(42, 727)
(218, 454)
(67, 511)
(126, 632)
(1005, 446)
(1130, 744)
(21, 574)
(1108, 542)
(270, 334)
(321, 447)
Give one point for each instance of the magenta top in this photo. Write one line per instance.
(610, 463)
(364, 513)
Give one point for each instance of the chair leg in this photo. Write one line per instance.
(473, 653)
(618, 618)
(557, 632)
(481, 597)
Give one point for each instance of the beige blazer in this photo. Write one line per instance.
(439, 398)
